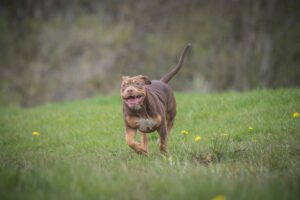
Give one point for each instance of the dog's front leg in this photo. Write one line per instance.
(144, 141)
(130, 140)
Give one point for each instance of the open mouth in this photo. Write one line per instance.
(132, 101)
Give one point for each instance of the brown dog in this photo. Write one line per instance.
(149, 105)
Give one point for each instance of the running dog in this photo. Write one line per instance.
(148, 106)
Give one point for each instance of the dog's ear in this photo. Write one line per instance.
(145, 78)
(125, 78)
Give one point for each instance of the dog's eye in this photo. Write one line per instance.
(138, 84)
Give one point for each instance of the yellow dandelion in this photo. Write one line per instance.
(35, 133)
(219, 197)
(184, 132)
(197, 138)
(250, 129)
(296, 114)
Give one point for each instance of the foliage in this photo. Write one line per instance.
(249, 149)
(54, 51)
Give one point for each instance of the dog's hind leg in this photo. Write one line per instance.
(163, 136)
(170, 122)
(171, 112)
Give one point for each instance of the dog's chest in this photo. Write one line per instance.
(144, 124)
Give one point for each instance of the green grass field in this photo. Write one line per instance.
(249, 149)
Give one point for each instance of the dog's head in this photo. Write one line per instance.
(133, 90)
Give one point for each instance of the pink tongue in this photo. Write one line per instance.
(132, 102)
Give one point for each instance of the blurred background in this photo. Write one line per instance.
(53, 50)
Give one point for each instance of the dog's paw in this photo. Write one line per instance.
(143, 152)
(163, 149)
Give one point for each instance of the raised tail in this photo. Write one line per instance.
(167, 77)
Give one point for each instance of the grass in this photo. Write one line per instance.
(81, 152)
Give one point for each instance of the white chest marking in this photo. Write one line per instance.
(145, 124)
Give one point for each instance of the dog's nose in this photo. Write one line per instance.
(130, 90)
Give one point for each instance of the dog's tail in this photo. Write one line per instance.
(167, 77)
